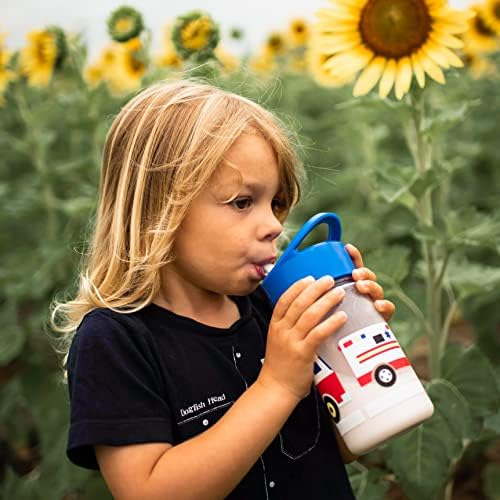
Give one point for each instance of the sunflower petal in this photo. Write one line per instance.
(418, 70)
(433, 51)
(450, 27)
(349, 3)
(446, 39)
(337, 15)
(348, 62)
(403, 77)
(333, 26)
(334, 43)
(387, 80)
(369, 77)
(432, 69)
(453, 59)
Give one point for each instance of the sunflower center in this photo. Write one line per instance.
(41, 52)
(136, 66)
(496, 10)
(124, 25)
(195, 35)
(482, 28)
(275, 42)
(395, 28)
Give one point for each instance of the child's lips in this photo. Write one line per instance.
(264, 267)
(260, 271)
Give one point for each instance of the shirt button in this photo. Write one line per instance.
(272, 484)
(238, 354)
(205, 422)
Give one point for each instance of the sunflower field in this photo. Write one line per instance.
(395, 106)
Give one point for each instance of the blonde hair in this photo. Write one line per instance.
(163, 147)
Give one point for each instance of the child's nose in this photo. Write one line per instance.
(271, 228)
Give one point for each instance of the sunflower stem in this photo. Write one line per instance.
(38, 158)
(421, 149)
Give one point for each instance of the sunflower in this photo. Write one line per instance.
(479, 66)
(93, 74)
(229, 62)
(37, 60)
(195, 35)
(298, 32)
(6, 75)
(480, 37)
(236, 33)
(129, 64)
(316, 65)
(275, 44)
(168, 58)
(61, 44)
(390, 41)
(297, 63)
(262, 63)
(120, 65)
(491, 11)
(125, 23)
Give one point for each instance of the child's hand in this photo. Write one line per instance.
(366, 283)
(296, 331)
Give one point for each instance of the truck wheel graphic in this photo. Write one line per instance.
(332, 407)
(385, 375)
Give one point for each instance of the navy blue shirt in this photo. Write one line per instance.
(155, 376)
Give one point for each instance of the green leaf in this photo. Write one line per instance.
(423, 181)
(367, 484)
(77, 206)
(491, 481)
(493, 423)
(391, 264)
(421, 457)
(470, 278)
(12, 337)
(429, 233)
(471, 373)
(394, 182)
(447, 118)
(12, 343)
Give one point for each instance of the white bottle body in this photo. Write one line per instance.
(365, 378)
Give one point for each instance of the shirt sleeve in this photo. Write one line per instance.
(115, 389)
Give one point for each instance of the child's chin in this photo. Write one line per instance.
(246, 289)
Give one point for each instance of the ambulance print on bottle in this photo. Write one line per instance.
(363, 375)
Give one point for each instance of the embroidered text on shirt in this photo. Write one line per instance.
(201, 404)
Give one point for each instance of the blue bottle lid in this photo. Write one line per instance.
(327, 257)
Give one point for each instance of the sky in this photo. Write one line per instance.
(256, 18)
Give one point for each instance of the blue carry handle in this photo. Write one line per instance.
(334, 232)
(327, 257)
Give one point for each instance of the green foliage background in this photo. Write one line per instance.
(360, 167)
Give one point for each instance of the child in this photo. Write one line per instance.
(184, 383)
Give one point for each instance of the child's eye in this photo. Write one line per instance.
(242, 203)
(277, 205)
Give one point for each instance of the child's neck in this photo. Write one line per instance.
(209, 308)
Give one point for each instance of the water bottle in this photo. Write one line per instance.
(362, 373)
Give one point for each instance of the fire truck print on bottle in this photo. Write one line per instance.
(373, 356)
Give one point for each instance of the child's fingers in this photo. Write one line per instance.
(317, 311)
(289, 296)
(363, 273)
(355, 255)
(322, 331)
(306, 299)
(385, 307)
(371, 288)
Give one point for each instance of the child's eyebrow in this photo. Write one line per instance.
(254, 186)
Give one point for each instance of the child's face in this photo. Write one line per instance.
(222, 246)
